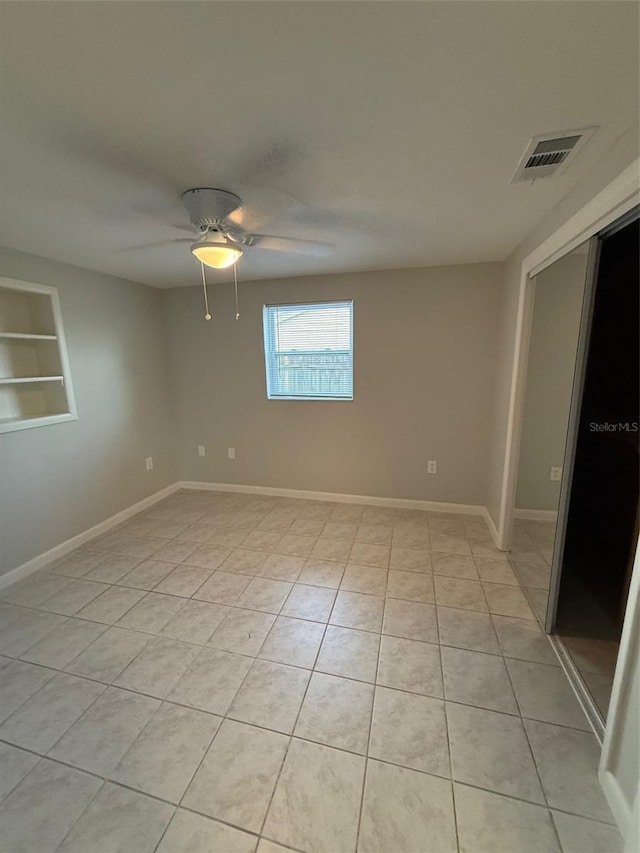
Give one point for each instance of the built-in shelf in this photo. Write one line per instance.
(22, 336)
(35, 384)
(22, 380)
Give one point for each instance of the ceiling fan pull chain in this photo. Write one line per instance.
(235, 285)
(207, 315)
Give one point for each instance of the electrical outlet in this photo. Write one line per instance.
(231, 452)
(432, 467)
(148, 463)
(555, 474)
(201, 450)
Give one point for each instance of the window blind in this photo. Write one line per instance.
(309, 350)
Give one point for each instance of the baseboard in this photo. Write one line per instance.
(536, 514)
(63, 548)
(616, 802)
(492, 529)
(367, 500)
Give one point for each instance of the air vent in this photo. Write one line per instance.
(545, 155)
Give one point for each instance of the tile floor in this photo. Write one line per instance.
(241, 674)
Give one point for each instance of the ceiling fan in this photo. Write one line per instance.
(219, 241)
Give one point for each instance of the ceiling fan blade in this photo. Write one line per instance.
(286, 244)
(142, 246)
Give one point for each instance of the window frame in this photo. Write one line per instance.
(269, 349)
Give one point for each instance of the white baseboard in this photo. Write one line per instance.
(492, 529)
(536, 514)
(368, 500)
(63, 548)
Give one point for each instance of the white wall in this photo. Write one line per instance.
(557, 309)
(424, 355)
(619, 157)
(56, 481)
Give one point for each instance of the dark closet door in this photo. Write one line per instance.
(603, 505)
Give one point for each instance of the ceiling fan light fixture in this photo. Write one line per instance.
(216, 254)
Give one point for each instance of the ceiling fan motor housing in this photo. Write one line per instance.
(207, 207)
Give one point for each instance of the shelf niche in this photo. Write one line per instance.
(35, 384)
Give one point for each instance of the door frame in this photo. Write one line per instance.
(616, 199)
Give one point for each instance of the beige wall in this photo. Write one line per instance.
(621, 155)
(56, 481)
(557, 309)
(424, 354)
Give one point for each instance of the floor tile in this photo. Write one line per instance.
(336, 712)
(406, 811)
(265, 594)
(146, 575)
(490, 750)
(579, 835)
(195, 622)
(355, 610)
(370, 555)
(107, 656)
(364, 579)
(412, 586)
(411, 620)
(223, 587)
(507, 601)
(46, 716)
(296, 546)
(524, 639)
(411, 559)
(454, 566)
(374, 534)
(175, 551)
(349, 653)
(567, 762)
(449, 544)
(242, 631)
(466, 629)
(281, 567)
(477, 679)
(243, 562)
(111, 605)
(261, 540)
(39, 812)
(417, 538)
(317, 799)
(309, 602)
(207, 557)
(35, 589)
(26, 629)
(78, 563)
(544, 693)
(265, 846)
(183, 580)
(99, 739)
(64, 643)
(496, 570)
(270, 696)
(167, 752)
(151, 613)
(14, 765)
(490, 823)
(192, 833)
(238, 775)
(347, 513)
(410, 665)
(331, 549)
(409, 730)
(119, 820)
(293, 641)
(322, 573)
(158, 667)
(459, 593)
(112, 568)
(339, 531)
(18, 682)
(73, 597)
(211, 681)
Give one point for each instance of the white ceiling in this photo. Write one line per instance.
(389, 129)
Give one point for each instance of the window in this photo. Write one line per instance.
(308, 351)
